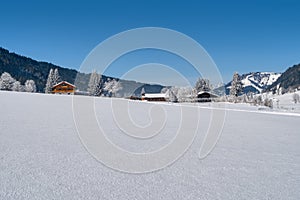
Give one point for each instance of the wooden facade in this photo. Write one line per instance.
(63, 88)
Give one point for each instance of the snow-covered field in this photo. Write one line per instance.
(42, 157)
(285, 102)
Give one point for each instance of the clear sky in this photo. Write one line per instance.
(241, 36)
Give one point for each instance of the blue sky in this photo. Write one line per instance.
(241, 36)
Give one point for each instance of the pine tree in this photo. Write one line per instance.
(236, 85)
(56, 77)
(164, 90)
(6, 82)
(30, 86)
(172, 96)
(95, 84)
(202, 85)
(116, 88)
(143, 92)
(50, 82)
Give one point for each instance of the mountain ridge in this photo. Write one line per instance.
(23, 68)
(255, 82)
(289, 80)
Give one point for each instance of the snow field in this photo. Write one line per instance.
(41, 155)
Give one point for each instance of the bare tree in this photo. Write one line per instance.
(17, 86)
(268, 102)
(30, 86)
(6, 81)
(112, 87)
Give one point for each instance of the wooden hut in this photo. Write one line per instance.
(205, 96)
(155, 97)
(63, 87)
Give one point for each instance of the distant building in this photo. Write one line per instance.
(63, 87)
(155, 97)
(204, 96)
(133, 97)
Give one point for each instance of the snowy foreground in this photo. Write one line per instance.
(42, 157)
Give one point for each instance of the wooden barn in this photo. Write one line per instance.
(204, 96)
(63, 87)
(155, 97)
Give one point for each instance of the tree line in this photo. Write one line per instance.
(96, 86)
(185, 94)
(8, 83)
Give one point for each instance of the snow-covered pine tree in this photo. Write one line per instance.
(56, 77)
(244, 98)
(236, 85)
(91, 84)
(30, 86)
(6, 81)
(116, 88)
(202, 85)
(143, 92)
(172, 95)
(50, 82)
(95, 86)
(164, 90)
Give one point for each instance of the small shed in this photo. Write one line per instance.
(205, 96)
(63, 87)
(155, 97)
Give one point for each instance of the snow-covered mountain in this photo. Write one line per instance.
(288, 81)
(256, 81)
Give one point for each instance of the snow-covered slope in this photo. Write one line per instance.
(288, 81)
(42, 157)
(256, 82)
(285, 102)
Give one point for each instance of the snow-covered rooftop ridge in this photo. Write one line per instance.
(63, 82)
(211, 93)
(155, 95)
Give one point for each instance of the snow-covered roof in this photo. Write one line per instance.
(63, 82)
(201, 92)
(155, 95)
(211, 94)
